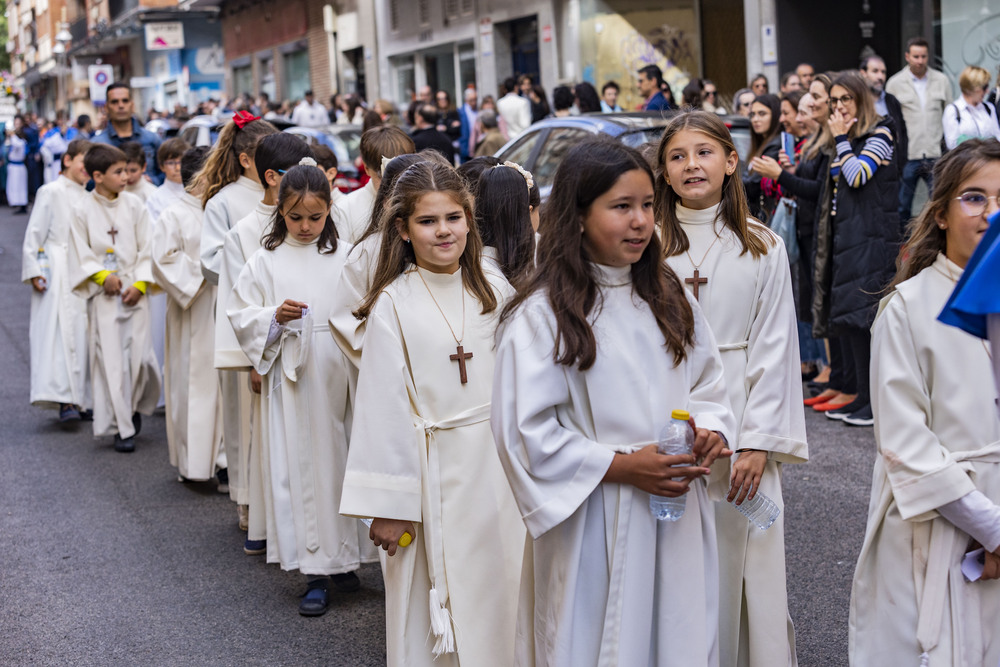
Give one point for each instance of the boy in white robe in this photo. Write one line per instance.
(138, 184)
(304, 404)
(353, 212)
(168, 155)
(110, 266)
(194, 413)
(274, 154)
(58, 329)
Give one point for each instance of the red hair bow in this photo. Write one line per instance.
(243, 118)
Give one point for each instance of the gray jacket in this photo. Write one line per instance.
(923, 123)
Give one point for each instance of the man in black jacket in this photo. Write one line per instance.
(874, 72)
(426, 135)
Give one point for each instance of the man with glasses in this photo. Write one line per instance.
(742, 101)
(923, 94)
(124, 127)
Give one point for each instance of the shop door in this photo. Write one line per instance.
(524, 47)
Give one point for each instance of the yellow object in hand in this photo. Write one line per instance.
(405, 540)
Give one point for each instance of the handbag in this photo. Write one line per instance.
(782, 223)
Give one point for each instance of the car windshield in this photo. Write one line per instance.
(640, 137)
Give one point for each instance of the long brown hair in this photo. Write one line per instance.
(564, 273)
(396, 256)
(868, 118)
(822, 141)
(924, 238)
(222, 166)
(734, 211)
(758, 142)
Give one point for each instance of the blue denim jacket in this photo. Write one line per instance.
(150, 144)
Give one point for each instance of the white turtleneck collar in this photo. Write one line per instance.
(947, 268)
(105, 201)
(612, 276)
(295, 243)
(704, 216)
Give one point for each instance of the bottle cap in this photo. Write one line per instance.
(405, 540)
(683, 415)
(41, 250)
(109, 251)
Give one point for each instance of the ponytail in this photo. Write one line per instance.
(223, 164)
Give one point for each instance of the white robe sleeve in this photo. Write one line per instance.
(213, 234)
(384, 475)
(144, 244)
(552, 470)
(251, 316)
(228, 353)
(920, 472)
(178, 273)
(347, 330)
(36, 233)
(83, 261)
(773, 419)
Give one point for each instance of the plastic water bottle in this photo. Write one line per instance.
(110, 261)
(44, 266)
(761, 511)
(676, 438)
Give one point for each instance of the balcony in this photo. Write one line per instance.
(78, 30)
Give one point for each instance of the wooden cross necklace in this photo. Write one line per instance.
(460, 354)
(696, 280)
(112, 233)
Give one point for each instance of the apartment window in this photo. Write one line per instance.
(424, 11)
(467, 6)
(394, 15)
(450, 9)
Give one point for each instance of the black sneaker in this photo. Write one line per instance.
(222, 477)
(137, 422)
(124, 445)
(86, 415)
(347, 582)
(843, 411)
(860, 417)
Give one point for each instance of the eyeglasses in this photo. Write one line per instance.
(745, 104)
(845, 100)
(974, 203)
(709, 92)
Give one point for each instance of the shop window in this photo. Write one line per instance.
(243, 80)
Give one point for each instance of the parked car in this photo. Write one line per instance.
(204, 130)
(541, 147)
(345, 142)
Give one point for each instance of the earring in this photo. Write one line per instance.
(407, 241)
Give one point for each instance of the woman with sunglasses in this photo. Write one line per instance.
(936, 483)
(970, 116)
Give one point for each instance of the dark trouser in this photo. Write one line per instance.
(913, 171)
(861, 349)
(843, 374)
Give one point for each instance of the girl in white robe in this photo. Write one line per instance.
(17, 172)
(275, 154)
(738, 271)
(936, 483)
(359, 270)
(230, 189)
(593, 356)
(58, 330)
(422, 459)
(191, 385)
(280, 300)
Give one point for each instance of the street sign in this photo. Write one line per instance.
(100, 77)
(164, 36)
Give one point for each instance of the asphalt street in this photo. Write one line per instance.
(105, 559)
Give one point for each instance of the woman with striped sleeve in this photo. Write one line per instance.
(861, 239)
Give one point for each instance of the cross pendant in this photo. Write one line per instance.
(112, 233)
(696, 281)
(460, 356)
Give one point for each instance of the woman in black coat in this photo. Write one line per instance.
(765, 139)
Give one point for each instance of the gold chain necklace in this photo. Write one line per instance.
(461, 356)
